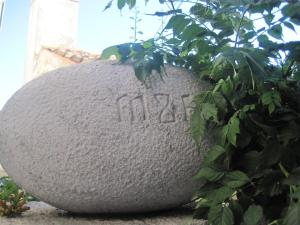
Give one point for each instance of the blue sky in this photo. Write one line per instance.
(96, 31)
(12, 47)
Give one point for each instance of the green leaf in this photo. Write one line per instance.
(269, 18)
(131, 3)
(293, 178)
(220, 215)
(144, 68)
(158, 58)
(140, 71)
(292, 10)
(256, 61)
(110, 51)
(259, 122)
(121, 4)
(271, 99)
(233, 129)
(223, 68)
(290, 26)
(249, 35)
(148, 44)
(296, 193)
(209, 174)
(201, 11)
(7, 187)
(253, 215)
(124, 51)
(226, 33)
(272, 153)
(177, 23)
(219, 195)
(205, 190)
(198, 126)
(227, 87)
(214, 153)
(250, 161)
(209, 112)
(174, 20)
(263, 40)
(108, 5)
(293, 215)
(235, 179)
(237, 210)
(224, 134)
(276, 31)
(191, 32)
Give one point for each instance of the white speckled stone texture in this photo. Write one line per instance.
(91, 138)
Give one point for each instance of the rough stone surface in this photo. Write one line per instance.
(43, 214)
(91, 138)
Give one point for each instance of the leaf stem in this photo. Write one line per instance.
(283, 170)
(197, 20)
(252, 76)
(274, 222)
(172, 4)
(239, 28)
(259, 18)
(135, 23)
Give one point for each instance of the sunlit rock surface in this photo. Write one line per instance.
(91, 138)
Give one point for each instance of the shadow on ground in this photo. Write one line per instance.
(43, 214)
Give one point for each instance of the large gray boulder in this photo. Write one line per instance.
(93, 139)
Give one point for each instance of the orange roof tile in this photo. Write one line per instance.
(75, 55)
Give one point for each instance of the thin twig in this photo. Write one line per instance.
(264, 31)
(239, 27)
(172, 4)
(265, 15)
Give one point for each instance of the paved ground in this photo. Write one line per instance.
(43, 214)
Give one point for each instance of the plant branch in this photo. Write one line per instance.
(259, 18)
(239, 27)
(266, 30)
(197, 20)
(172, 4)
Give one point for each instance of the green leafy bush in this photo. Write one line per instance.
(251, 174)
(12, 198)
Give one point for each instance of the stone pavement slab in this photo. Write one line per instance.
(44, 214)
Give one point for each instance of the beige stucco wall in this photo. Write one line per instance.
(51, 23)
(48, 61)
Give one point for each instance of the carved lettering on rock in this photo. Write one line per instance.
(187, 106)
(167, 112)
(135, 107)
(131, 108)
